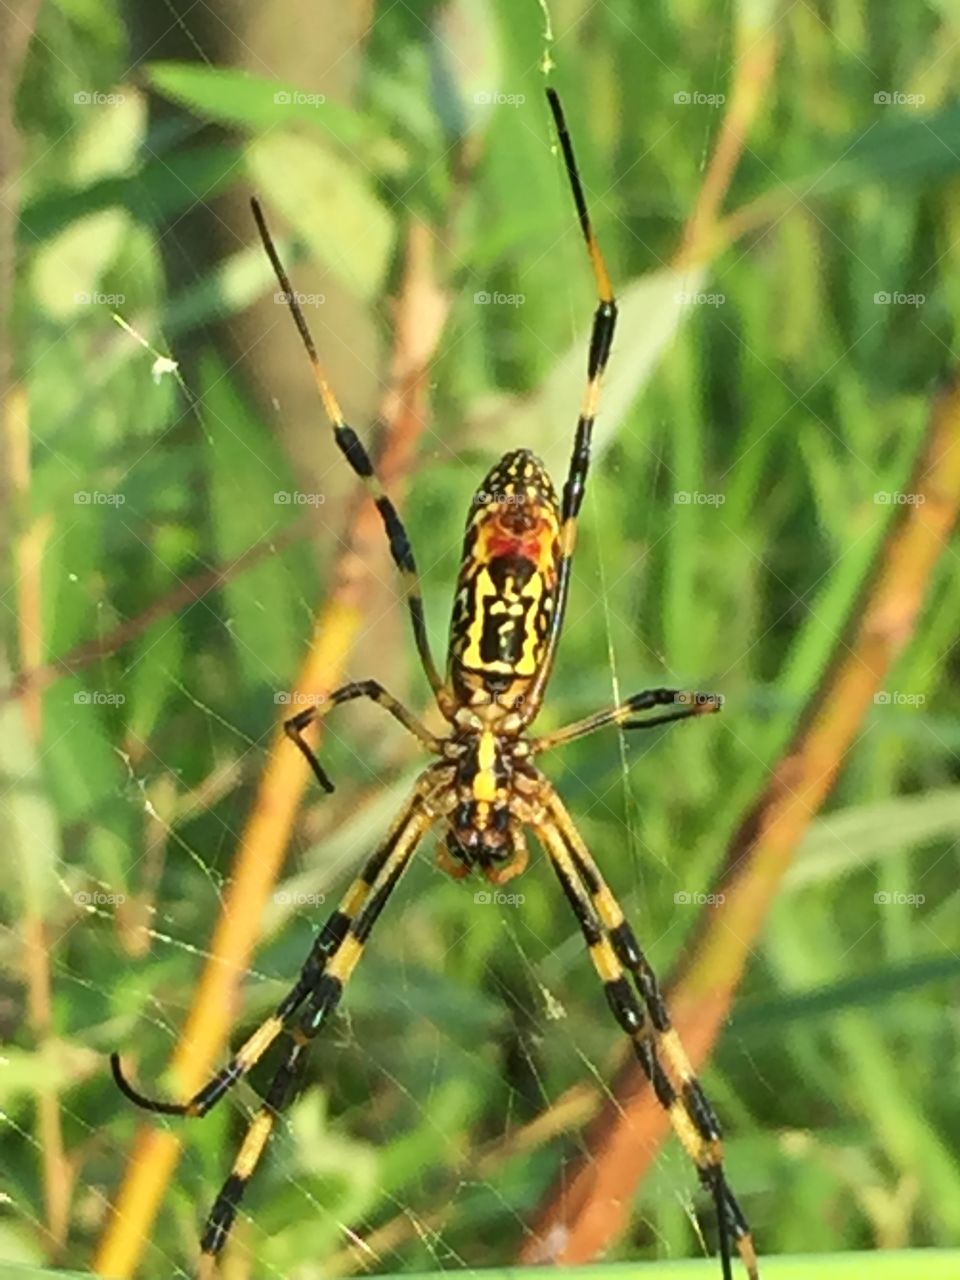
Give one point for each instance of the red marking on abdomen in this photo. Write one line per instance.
(515, 548)
(519, 533)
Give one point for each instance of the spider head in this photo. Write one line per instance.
(480, 832)
(496, 846)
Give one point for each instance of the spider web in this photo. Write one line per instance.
(473, 1042)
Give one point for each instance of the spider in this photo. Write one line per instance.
(484, 788)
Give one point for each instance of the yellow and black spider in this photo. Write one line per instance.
(484, 789)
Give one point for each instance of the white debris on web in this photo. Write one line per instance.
(546, 60)
(553, 1008)
(161, 366)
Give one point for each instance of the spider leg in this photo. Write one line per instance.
(371, 689)
(690, 704)
(628, 952)
(224, 1209)
(614, 952)
(326, 990)
(356, 455)
(325, 946)
(601, 339)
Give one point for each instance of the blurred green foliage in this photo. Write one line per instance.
(790, 396)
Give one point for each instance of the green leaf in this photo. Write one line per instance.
(900, 147)
(54, 1068)
(248, 475)
(768, 1017)
(853, 838)
(330, 204)
(907, 151)
(162, 188)
(30, 832)
(255, 102)
(68, 269)
(110, 137)
(650, 311)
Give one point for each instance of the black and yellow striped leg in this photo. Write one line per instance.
(358, 458)
(371, 689)
(332, 960)
(246, 1057)
(601, 340)
(257, 1044)
(687, 704)
(629, 955)
(325, 945)
(224, 1211)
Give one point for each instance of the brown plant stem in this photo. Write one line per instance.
(754, 67)
(29, 542)
(421, 313)
(588, 1208)
(36, 675)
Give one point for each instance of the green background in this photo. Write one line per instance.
(787, 396)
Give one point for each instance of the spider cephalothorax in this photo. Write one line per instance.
(491, 777)
(483, 789)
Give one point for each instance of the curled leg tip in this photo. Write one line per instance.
(140, 1099)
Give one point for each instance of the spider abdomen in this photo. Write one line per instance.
(506, 589)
